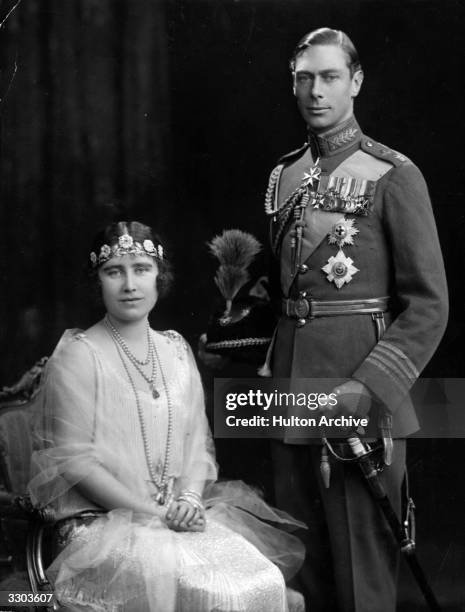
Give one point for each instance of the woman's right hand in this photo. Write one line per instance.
(183, 516)
(199, 526)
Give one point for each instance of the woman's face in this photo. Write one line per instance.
(129, 289)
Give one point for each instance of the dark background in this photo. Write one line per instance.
(174, 112)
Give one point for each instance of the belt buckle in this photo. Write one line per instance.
(301, 307)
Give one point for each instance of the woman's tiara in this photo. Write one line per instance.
(126, 246)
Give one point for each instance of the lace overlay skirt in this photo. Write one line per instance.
(117, 563)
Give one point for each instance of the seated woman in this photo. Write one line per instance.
(125, 456)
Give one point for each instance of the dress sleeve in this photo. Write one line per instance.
(419, 286)
(199, 465)
(64, 425)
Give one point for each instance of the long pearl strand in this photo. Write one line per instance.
(162, 483)
(125, 347)
(133, 359)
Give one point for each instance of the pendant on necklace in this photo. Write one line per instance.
(159, 498)
(155, 393)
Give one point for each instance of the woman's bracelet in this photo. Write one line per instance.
(192, 493)
(192, 498)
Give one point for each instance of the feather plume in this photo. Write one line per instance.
(235, 248)
(229, 279)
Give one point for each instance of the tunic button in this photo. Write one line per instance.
(301, 322)
(369, 144)
(303, 268)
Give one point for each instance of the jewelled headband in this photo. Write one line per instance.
(126, 246)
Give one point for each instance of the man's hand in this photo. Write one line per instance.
(353, 399)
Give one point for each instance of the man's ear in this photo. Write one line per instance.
(357, 81)
(293, 82)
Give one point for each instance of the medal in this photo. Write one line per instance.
(340, 269)
(313, 174)
(343, 233)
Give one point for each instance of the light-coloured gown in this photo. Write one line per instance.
(128, 562)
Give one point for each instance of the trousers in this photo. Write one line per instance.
(352, 557)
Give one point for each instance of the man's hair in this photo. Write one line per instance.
(327, 36)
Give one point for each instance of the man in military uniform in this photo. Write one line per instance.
(364, 299)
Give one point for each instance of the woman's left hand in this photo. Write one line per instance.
(183, 516)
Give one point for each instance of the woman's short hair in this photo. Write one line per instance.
(139, 233)
(327, 36)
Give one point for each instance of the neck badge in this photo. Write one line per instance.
(312, 175)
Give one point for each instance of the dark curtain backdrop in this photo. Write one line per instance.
(85, 137)
(173, 112)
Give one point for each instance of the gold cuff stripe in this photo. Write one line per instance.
(394, 364)
(406, 362)
(381, 365)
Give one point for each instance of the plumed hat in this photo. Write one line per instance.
(243, 326)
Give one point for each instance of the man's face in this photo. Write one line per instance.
(324, 87)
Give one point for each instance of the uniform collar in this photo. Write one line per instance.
(336, 140)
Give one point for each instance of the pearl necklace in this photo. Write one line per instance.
(137, 363)
(163, 483)
(125, 347)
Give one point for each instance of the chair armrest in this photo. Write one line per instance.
(20, 507)
(26, 387)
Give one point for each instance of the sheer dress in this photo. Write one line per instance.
(123, 561)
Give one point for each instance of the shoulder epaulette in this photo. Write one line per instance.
(382, 152)
(293, 154)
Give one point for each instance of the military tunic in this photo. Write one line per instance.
(367, 232)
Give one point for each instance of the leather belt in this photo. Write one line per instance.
(308, 308)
